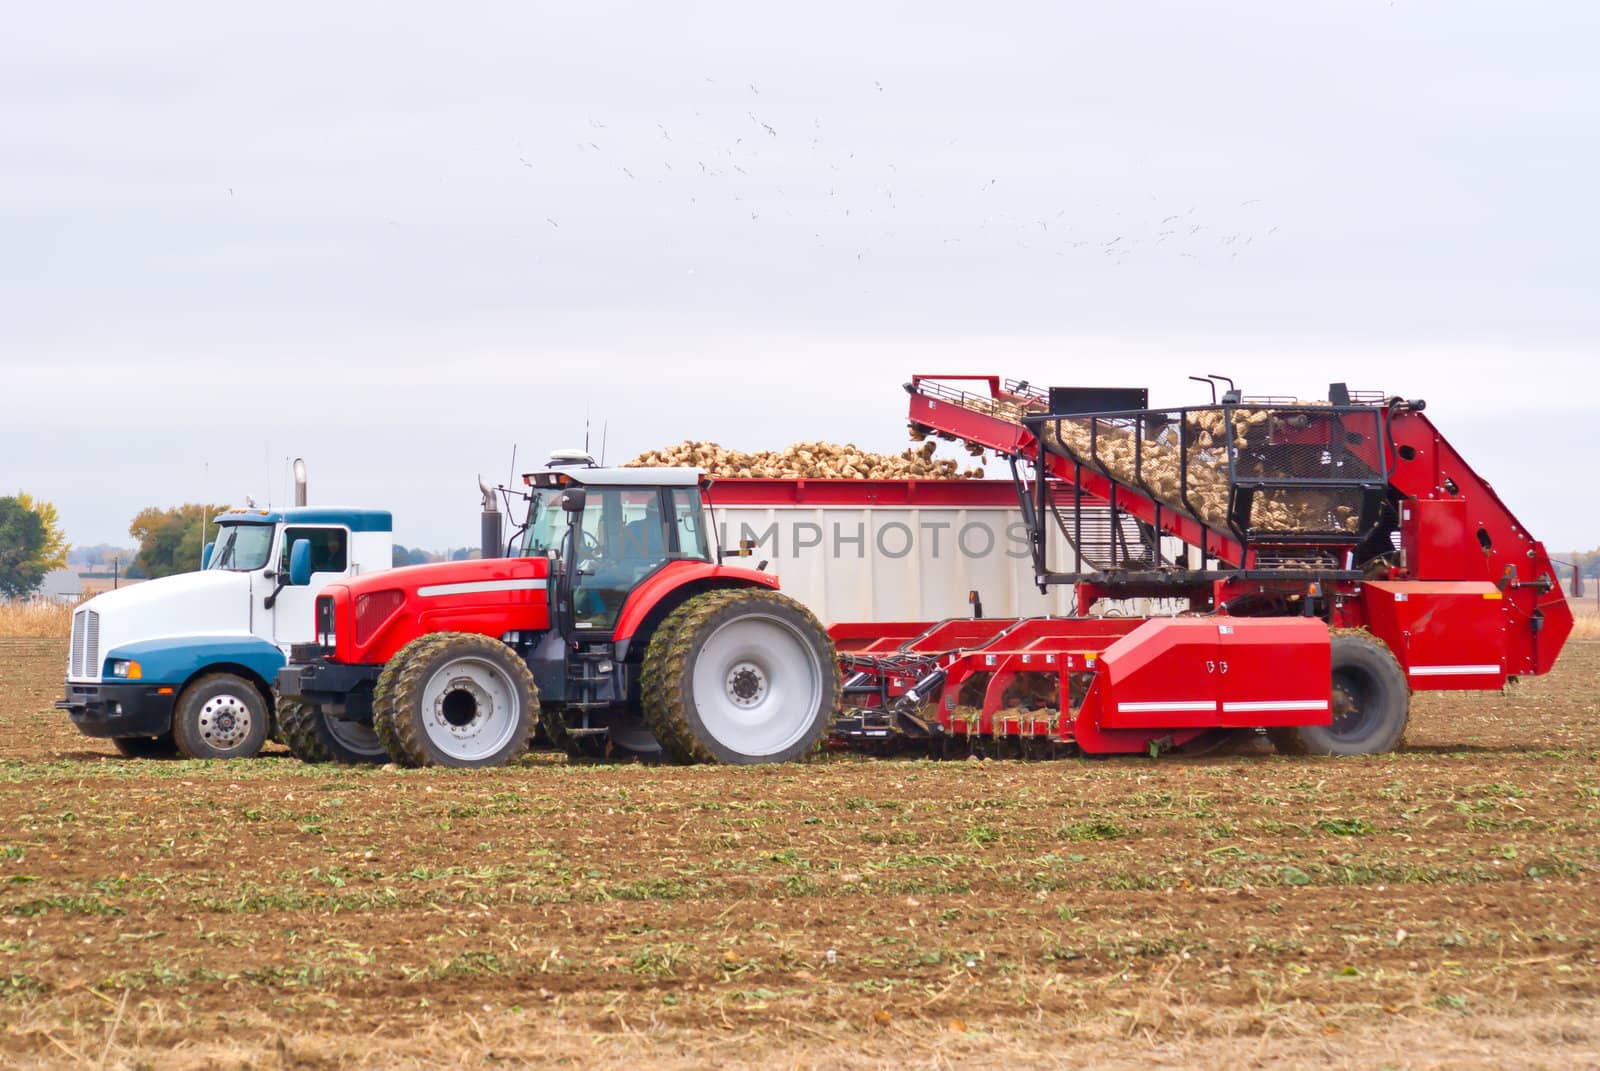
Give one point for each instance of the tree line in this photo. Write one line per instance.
(170, 539)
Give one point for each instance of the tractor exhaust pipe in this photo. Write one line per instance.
(491, 536)
(299, 481)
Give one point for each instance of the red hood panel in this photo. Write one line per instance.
(491, 597)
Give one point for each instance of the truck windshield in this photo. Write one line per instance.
(546, 523)
(242, 547)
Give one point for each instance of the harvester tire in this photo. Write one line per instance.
(312, 736)
(220, 716)
(740, 676)
(1371, 702)
(455, 699)
(145, 747)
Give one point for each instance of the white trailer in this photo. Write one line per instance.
(889, 550)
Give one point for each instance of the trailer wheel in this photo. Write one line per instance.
(740, 676)
(1371, 702)
(220, 716)
(312, 736)
(146, 747)
(455, 699)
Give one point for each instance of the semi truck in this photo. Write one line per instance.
(185, 663)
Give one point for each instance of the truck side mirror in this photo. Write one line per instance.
(572, 499)
(300, 563)
(205, 555)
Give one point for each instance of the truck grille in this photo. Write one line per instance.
(83, 660)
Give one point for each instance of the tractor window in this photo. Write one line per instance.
(624, 538)
(327, 548)
(688, 524)
(546, 523)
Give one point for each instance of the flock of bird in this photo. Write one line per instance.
(733, 162)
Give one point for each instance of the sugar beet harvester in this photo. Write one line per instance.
(1333, 557)
(1341, 540)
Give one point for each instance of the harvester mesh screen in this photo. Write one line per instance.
(1182, 459)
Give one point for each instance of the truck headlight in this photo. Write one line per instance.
(127, 669)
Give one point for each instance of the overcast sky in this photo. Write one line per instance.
(397, 239)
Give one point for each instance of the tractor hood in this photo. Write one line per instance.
(411, 578)
(374, 616)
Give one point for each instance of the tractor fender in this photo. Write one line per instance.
(664, 590)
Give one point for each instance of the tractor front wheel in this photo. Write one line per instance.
(311, 735)
(455, 699)
(740, 676)
(1371, 702)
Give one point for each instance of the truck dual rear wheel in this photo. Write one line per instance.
(740, 676)
(220, 716)
(1371, 702)
(313, 736)
(455, 699)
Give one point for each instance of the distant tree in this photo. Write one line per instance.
(459, 555)
(23, 543)
(101, 555)
(412, 556)
(170, 540)
(54, 554)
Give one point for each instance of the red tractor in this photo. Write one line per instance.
(614, 627)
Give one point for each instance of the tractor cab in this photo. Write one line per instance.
(611, 528)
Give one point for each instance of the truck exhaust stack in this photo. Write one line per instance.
(299, 481)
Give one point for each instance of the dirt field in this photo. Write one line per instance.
(1435, 908)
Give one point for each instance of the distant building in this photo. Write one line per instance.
(61, 585)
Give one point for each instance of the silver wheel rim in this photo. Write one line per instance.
(354, 737)
(757, 686)
(470, 709)
(224, 722)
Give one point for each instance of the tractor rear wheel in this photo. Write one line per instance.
(1371, 702)
(313, 736)
(740, 676)
(455, 699)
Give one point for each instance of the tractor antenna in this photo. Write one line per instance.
(604, 429)
(586, 427)
(511, 479)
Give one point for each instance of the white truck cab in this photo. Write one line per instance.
(186, 663)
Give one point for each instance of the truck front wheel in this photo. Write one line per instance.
(220, 716)
(455, 699)
(313, 736)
